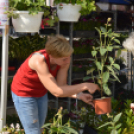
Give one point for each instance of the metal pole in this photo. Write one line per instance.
(57, 32)
(115, 28)
(70, 69)
(132, 66)
(58, 28)
(132, 55)
(4, 25)
(4, 78)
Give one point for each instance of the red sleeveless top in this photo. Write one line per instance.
(26, 81)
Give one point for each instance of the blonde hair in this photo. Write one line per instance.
(58, 46)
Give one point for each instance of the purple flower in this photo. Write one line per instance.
(72, 115)
(84, 20)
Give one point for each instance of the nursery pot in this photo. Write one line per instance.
(68, 12)
(102, 105)
(27, 22)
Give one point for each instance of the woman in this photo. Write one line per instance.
(45, 70)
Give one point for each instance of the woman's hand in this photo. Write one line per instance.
(91, 87)
(85, 97)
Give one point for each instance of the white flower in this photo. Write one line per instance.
(129, 43)
(12, 125)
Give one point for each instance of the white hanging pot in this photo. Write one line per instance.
(27, 22)
(68, 12)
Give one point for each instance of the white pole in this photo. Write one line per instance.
(4, 71)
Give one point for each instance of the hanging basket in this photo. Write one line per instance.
(68, 12)
(27, 22)
(102, 105)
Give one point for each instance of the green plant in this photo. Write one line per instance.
(57, 126)
(113, 124)
(12, 129)
(127, 122)
(87, 5)
(20, 48)
(33, 6)
(106, 44)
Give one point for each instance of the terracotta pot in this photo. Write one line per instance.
(102, 105)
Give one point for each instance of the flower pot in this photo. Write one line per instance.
(102, 105)
(68, 12)
(27, 22)
(80, 131)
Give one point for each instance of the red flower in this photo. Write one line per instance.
(42, 24)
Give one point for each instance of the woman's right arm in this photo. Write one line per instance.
(38, 64)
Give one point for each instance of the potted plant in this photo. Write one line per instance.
(104, 66)
(27, 14)
(70, 10)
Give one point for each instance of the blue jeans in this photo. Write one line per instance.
(32, 112)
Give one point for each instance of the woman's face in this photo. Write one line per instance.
(61, 61)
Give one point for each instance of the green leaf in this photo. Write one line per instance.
(98, 30)
(103, 29)
(102, 51)
(109, 68)
(113, 73)
(117, 117)
(105, 77)
(91, 70)
(71, 130)
(116, 34)
(110, 30)
(111, 59)
(94, 53)
(117, 41)
(118, 126)
(118, 53)
(109, 48)
(110, 35)
(86, 78)
(114, 131)
(116, 47)
(98, 64)
(106, 124)
(61, 130)
(46, 125)
(111, 127)
(99, 81)
(116, 66)
(110, 79)
(106, 89)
